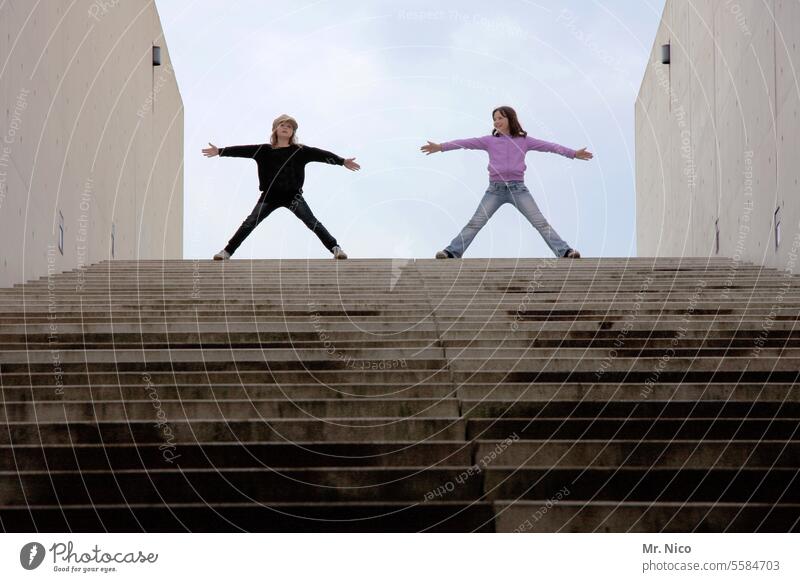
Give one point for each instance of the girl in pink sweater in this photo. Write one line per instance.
(507, 146)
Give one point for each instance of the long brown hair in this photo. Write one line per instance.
(514, 128)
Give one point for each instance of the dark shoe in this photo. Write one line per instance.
(444, 255)
(572, 254)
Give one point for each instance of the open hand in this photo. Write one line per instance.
(212, 151)
(350, 164)
(582, 154)
(431, 148)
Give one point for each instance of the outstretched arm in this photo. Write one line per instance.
(312, 154)
(472, 143)
(243, 151)
(538, 145)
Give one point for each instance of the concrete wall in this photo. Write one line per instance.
(89, 130)
(718, 132)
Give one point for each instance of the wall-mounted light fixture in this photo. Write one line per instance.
(665, 54)
(156, 56)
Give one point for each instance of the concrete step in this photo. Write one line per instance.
(697, 454)
(649, 484)
(469, 394)
(254, 430)
(382, 516)
(243, 391)
(134, 295)
(416, 357)
(393, 428)
(342, 374)
(635, 428)
(375, 484)
(378, 329)
(633, 347)
(599, 516)
(503, 364)
(216, 485)
(650, 408)
(224, 409)
(57, 378)
(206, 455)
(657, 389)
(745, 307)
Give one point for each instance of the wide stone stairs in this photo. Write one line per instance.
(402, 395)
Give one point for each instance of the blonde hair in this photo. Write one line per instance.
(273, 138)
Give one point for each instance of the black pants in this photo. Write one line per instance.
(265, 207)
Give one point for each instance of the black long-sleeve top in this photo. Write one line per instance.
(281, 171)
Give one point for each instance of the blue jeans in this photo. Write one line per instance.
(500, 193)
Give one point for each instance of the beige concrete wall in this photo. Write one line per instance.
(718, 132)
(89, 129)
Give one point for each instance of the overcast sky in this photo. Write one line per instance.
(376, 79)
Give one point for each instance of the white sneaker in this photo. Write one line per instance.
(223, 255)
(338, 253)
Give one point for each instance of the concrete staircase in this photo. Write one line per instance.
(401, 395)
